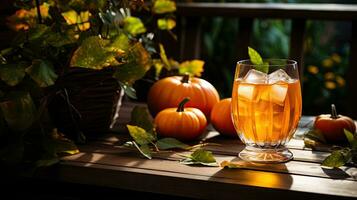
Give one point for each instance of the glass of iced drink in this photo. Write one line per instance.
(266, 108)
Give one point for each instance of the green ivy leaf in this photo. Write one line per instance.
(193, 67)
(163, 6)
(166, 24)
(338, 158)
(19, 111)
(144, 150)
(171, 143)
(202, 157)
(140, 135)
(140, 117)
(42, 72)
(257, 60)
(12, 74)
(95, 53)
(134, 25)
(138, 62)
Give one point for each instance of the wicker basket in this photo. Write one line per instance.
(85, 102)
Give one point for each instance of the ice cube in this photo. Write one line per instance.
(247, 92)
(279, 75)
(254, 76)
(278, 93)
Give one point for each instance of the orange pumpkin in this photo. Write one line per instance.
(183, 124)
(331, 126)
(169, 91)
(221, 118)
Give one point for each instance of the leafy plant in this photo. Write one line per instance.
(53, 37)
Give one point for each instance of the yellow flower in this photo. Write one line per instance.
(335, 57)
(340, 81)
(327, 63)
(329, 76)
(330, 85)
(313, 69)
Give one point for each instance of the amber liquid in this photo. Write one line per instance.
(266, 115)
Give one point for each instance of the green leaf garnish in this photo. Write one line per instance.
(200, 157)
(171, 143)
(257, 60)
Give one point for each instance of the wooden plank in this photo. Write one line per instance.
(246, 177)
(270, 10)
(244, 37)
(108, 156)
(241, 183)
(297, 44)
(190, 38)
(351, 74)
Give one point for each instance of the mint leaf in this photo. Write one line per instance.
(140, 135)
(257, 60)
(200, 157)
(171, 143)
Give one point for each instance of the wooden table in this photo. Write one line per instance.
(105, 163)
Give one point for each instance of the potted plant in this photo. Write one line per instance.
(61, 75)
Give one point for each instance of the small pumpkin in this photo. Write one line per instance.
(168, 92)
(183, 124)
(332, 125)
(221, 118)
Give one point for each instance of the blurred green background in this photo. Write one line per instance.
(326, 54)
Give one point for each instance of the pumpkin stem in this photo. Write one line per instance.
(185, 78)
(181, 105)
(333, 112)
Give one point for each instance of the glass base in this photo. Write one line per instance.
(253, 154)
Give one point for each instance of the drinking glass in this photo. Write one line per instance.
(266, 108)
